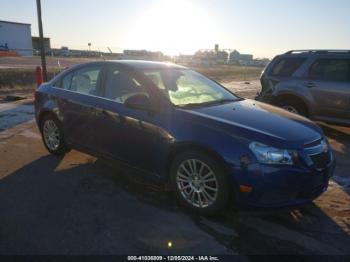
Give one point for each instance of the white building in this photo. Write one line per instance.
(16, 37)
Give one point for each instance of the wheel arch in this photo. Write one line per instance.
(288, 96)
(44, 113)
(185, 147)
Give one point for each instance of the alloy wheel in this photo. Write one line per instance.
(197, 183)
(51, 135)
(291, 109)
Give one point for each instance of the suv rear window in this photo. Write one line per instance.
(330, 70)
(286, 66)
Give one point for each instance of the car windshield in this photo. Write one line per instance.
(186, 88)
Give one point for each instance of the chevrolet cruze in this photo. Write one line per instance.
(213, 147)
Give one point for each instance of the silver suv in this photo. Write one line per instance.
(313, 83)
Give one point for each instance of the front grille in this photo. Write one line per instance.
(319, 153)
(321, 160)
(313, 143)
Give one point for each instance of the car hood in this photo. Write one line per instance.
(261, 122)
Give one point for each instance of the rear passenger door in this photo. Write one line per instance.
(78, 103)
(328, 80)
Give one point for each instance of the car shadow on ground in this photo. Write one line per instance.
(98, 208)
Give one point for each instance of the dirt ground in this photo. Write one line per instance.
(82, 205)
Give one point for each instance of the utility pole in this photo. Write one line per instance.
(42, 41)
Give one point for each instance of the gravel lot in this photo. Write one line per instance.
(82, 205)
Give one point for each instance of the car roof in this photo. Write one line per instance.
(130, 64)
(317, 53)
(143, 64)
(137, 64)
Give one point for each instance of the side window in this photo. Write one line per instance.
(57, 83)
(120, 85)
(63, 82)
(287, 66)
(156, 79)
(337, 70)
(66, 81)
(85, 80)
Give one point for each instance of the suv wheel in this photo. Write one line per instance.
(293, 106)
(199, 183)
(52, 135)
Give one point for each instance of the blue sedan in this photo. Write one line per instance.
(213, 147)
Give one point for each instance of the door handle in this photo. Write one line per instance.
(111, 116)
(309, 84)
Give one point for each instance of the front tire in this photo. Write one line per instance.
(52, 135)
(199, 183)
(293, 106)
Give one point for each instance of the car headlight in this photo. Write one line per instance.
(270, 155)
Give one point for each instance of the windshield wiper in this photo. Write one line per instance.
(209, 103)
(224, 101)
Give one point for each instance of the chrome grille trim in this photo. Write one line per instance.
(313, 143)
(319, 153)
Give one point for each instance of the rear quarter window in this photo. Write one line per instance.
(286, 67)
(57, 83)
(66, 81)
(63, 82)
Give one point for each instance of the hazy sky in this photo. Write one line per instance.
(262, 27)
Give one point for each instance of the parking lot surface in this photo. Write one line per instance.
(82, 205)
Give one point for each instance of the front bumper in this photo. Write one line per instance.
(281, 186)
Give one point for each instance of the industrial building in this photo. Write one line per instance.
(219, 56)
(238, 58)
(16, 37)
(143, 55)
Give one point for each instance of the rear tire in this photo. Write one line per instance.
(199, 182)
(52, 135)
(294, 106)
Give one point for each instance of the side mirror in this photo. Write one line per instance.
(138, 101)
